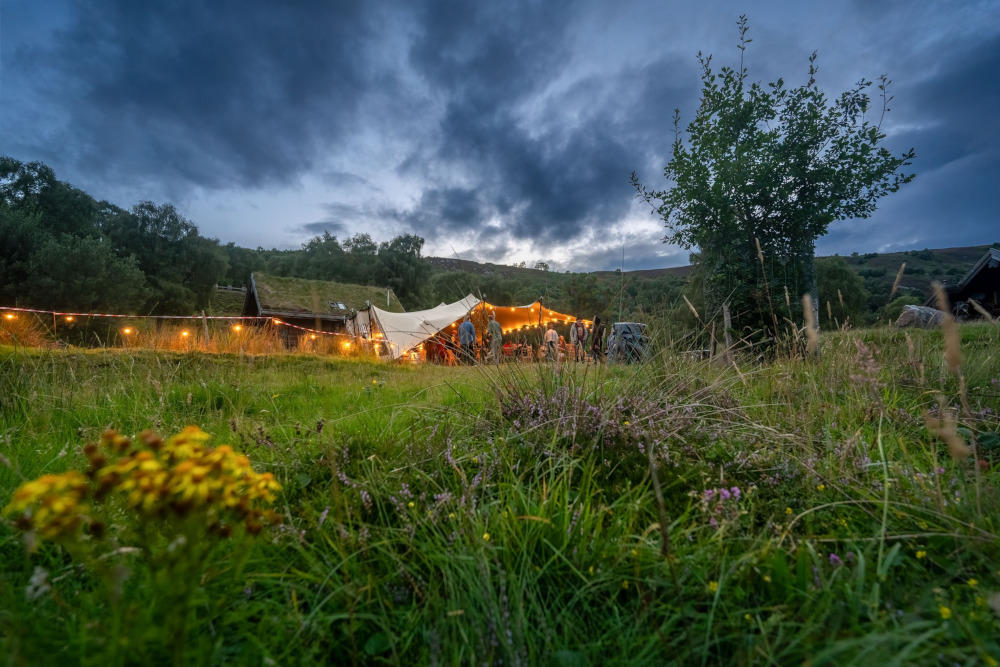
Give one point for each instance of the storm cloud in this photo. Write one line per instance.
(501, 132)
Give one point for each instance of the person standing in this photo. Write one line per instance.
(467, 338)
(495, 331)
(597, 340)
(574, 339)
(551, 342)
(578, 337)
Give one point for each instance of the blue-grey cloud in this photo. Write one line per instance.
(496, 126)
(208, 94)
(325, 226)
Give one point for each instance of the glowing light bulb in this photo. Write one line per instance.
(185, 334)
(9, 316)
(126, 331)
(237, 328)
(69, 318)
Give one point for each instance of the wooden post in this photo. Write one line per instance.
(728, 324)
(204, 324)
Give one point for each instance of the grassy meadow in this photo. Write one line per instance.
(821, 511)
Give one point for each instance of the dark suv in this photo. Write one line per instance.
(628, 342)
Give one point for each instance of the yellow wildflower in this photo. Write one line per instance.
(486, 537)
(713, 586)
(921, 554)
(788, 510)
(189, 442)
(973, 582)
(944, 611)
(821, 487)
(767, 578)
(410, 504)
(625, 584)
(51, 503)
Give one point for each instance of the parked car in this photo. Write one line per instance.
(628, 342)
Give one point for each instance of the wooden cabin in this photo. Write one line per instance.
(311, 304)
(981, 284)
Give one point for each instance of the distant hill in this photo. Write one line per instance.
(505, 271)
(946, 265)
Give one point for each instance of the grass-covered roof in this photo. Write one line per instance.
(297, 295)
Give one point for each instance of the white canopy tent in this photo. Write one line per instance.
(401, 332)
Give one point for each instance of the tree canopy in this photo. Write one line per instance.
(762, 172)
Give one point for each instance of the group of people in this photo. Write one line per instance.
(555, 347)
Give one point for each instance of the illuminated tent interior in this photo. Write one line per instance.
(514, 320)
(402, 333)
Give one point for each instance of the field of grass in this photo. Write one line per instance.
(806, 510)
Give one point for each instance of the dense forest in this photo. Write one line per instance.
(64, 250)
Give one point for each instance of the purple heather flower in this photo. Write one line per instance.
(322, 517)
(835, 560)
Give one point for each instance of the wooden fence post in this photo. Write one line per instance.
(204, 324)
(728, 324)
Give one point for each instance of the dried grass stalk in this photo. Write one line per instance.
(982, 311)
(944, 428)
(697, 316)
(952, 339)
(895, 283)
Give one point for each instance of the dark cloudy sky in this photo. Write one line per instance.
(500, 131)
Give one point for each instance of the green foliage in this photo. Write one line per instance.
(32, 187)
(841, 293)
(182, 267)
(774, 165)
(71, 273)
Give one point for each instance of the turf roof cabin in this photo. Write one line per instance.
(312, 304)
(981, 284)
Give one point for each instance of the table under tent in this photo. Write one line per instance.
(433, 334)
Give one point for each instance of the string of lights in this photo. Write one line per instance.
(312, 331)
(72, 316)
(131, 317)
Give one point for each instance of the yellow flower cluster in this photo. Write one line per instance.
(172, 477)
(51, 504)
